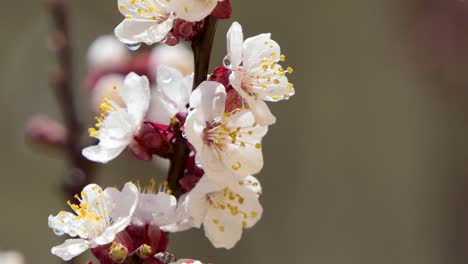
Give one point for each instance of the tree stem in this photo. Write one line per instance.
(201, 47)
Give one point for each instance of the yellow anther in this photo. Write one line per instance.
(289, 70)
(258, 146)
(221, 228)
(236, 166)
(282, 58)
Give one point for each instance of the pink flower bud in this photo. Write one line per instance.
(45, 130)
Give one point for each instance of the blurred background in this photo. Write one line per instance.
(367, 163)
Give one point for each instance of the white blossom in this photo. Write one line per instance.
(224, 208)
(97, 219)
(146, 21)
(179, 57)
(171, 95)
(256, 74)
(225, 143)
(117, 126)
(107, 53)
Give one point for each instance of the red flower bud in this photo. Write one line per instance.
(222, 10)
(184, 29)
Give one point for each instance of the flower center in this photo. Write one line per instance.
(91, 212)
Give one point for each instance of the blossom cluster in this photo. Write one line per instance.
(220, 122)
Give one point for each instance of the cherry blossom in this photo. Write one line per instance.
(226, 143)
(224, 208)
(256, 74)
(99, 217)
(117, 126)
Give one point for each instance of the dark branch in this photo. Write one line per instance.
(61, 78)
(201, 47)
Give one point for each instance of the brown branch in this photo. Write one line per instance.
(61, 78)
(201, 47)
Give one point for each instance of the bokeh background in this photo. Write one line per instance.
(367, 163)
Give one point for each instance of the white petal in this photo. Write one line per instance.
(192, 10)
(249, 190)
(155, 208)
(244, 156)
(121, 206)
(166, 205)
(66, 223)
(133, 31)
(210, 99)
(161, 110)
(171, 95)
(174, 85)
(261, 111)
(107, 53)
(222, 229)
(183, 219)
(136, 95)
(235, 41)
(270, 86)
(258, 48)
(145, 9)
(70, 248)
(195, 202)
(179, 57)
(194, 125)
(102, 154)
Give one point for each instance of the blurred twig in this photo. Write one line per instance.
(201, 47)
(61, 78)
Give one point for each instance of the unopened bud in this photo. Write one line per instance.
(184, 29)
(45, 130)
(118, 253)
(144, 251)
(222, 10)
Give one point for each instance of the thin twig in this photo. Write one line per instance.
(201, 47)
(61, 78)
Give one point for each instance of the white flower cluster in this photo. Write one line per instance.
(226, 142)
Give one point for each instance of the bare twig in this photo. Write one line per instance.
(61, 78)
(201, 47)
